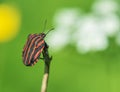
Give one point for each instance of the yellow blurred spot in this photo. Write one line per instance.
(9, 22)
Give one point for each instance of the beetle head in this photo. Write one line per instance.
(43, 35)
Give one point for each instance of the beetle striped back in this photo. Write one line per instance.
(33, 48)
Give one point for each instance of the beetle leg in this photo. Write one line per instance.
(46, 45)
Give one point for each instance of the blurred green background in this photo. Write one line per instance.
(70, 71)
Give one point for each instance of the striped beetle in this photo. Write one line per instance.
(33, 48)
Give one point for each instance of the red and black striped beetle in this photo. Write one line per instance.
(33, 48)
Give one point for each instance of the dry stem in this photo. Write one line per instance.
(47, 60)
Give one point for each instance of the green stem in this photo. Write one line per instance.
(47, 60)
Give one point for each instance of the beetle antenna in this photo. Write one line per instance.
(44, 25)
(50, 30)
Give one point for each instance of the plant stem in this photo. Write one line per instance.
(47, 60)
(45, 79)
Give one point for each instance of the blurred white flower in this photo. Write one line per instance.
(59, 38)
(105, 7)
(88, 32)
(110, 24)
(64, 21)
(66, 17)
(89, 36)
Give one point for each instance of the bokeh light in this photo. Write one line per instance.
(10, 19)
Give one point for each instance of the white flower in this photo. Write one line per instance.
(110, 24)
(88, 32)
(66, 17)
(89, 36)
(105, 7)
(59, 38)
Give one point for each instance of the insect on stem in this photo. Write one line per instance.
(33, 48)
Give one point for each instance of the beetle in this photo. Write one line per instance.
(33, 48)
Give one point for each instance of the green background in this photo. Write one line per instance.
(70, 70)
